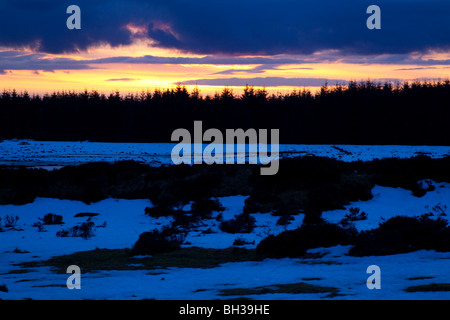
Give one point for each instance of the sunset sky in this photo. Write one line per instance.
(138, 45)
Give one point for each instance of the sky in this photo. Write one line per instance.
(281, 45)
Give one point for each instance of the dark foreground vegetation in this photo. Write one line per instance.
(396, 235)
(399, 234)
(304, 184)
(358, 113)
(123, 259)
(307, 185)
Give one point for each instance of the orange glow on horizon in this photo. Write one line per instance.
(135, 77)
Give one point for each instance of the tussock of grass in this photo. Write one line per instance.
(429, 287)
(293, 288)
(327, 262)
(17, 250)
(18, 271)
(3, 288)
(86, 214)
(420, 278)
(50, 286)
(121, 259)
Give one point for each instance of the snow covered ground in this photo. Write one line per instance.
(51, 154)
(125, 220)
(120, 222)
(389, 202)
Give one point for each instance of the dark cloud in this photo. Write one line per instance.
(266, 82)
(271, 63)
(19, 60)
(232, 27)
(417, 68)
(264, 67)
(15, 60)
(218, 60)
(41, 24)
(258, 69)
(394, 59)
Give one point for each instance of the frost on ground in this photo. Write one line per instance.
(390, 202)
(325, 273)
(54, 154)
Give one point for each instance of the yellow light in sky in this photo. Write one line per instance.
(127, 77)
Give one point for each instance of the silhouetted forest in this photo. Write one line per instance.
(415, 113)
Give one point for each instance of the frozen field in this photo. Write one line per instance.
(56, 153)
(120, 222)
(125, 220)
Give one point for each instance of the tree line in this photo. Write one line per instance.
(416, 113)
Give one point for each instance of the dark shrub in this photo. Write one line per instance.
(204, 207)
(3, 288)
(254, 204)
(63, 233)
(239, 241)
(184, 220)
(51, 218)
(336, 195)
(151, 242)
(406, 173)
(355, 214)
(201, 186)
(10, 221)
(84, 230)
(86, 214)
(17, 250)
(186, 184)
(311, 185)
(284, 220)
(39, 225)
(161, 211)
(282, 210)
(242, 223)
(294, 243)
(439, 210)
(403, 234)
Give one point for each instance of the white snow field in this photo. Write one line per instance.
(125, 220)
(54, 154)
(120, 222)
